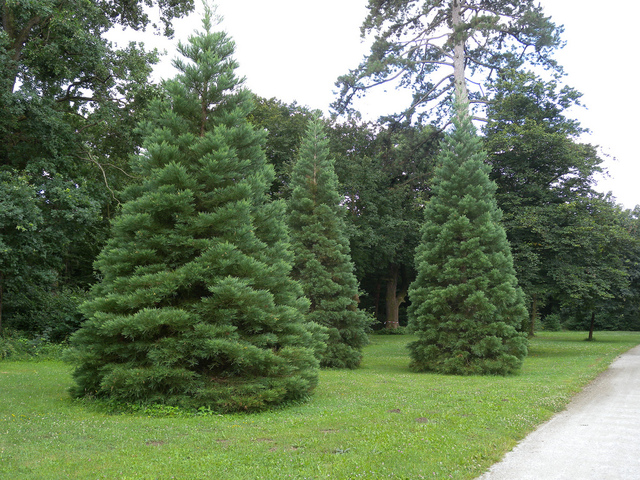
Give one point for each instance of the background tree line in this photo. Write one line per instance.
(574, 247)
(72, 102)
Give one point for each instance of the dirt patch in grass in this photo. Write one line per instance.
(155, 443)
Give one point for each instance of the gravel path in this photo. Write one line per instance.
(596, 438)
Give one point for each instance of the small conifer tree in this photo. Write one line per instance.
(466, 307)
(197, 307)
(322, 259)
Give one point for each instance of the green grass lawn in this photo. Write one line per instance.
(380, 421)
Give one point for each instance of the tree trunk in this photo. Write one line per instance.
(17, 39)
(593, 321)
(377, 300)
(1, 282)
(534, 314)
(394, 298)
(460, 82)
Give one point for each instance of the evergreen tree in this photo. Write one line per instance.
(434, 48)
(197, 306)
(322, 261)
(466, 306)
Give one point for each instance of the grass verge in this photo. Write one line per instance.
(380, 421)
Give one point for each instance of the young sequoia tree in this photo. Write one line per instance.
(466, 307)
(322, 260)
(196, 306)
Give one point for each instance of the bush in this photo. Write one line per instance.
(50, 314)
(551, 323)
(15, 345)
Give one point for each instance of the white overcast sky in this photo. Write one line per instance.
(294, 50)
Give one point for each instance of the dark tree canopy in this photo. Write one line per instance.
(386, 176)
(285, 126)
(539, 168)
(70, 102)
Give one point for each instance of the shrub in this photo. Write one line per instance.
(551, 322)
(51, 314)
(15, 345)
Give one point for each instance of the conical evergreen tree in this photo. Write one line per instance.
(466, 307)
(197, 306)
(322, 260)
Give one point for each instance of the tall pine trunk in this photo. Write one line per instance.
(459, 59)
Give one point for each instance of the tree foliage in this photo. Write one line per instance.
(386, 176)
(70, 102)
(592, 246)
(322, 261)
(433, 48)
(285, 126)
(540, 169)
(466, 306)
(196, 306)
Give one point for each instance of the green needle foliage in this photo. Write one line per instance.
(197, 307)
(466, 306)
(322, 261)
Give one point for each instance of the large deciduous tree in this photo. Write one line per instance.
(435, 47)
(322, 261)
(70, 100)
(20, 251)
(385, 173)
(539, 166)
(592, 247)
(197, 306)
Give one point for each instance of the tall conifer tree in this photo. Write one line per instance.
(197, 306)
(466, 306)
(322, 260)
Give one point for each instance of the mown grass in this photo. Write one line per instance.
(380, 421)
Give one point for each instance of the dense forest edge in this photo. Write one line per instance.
(92, 151)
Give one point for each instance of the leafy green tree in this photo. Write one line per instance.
(197, 306)
(624, 312)
(538, 166)
(70, 98)
(432, 46)
(20, 246)
(385, 173)
(32, 237)
(322, 262)
(592, 244)
(466, 307)
(286, 126)
(70, 101)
